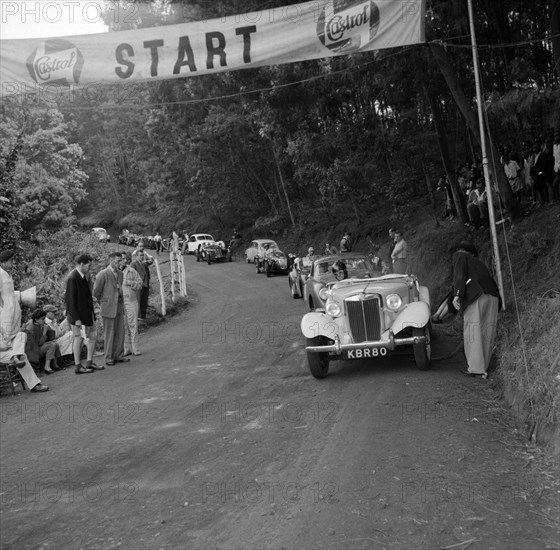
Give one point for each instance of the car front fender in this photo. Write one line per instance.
(317, 323)
(415, 314)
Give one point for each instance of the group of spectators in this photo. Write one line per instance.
(47, 344)
(534, 177)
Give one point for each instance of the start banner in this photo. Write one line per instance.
(311, 30)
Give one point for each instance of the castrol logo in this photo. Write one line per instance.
(56, 61)
(347, 25)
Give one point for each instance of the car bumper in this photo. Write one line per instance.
(391, 343)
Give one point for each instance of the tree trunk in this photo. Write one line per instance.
(554, 8)
(283, 186)
(510, 201)
(458, 197)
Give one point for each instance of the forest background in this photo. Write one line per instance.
(302, 152)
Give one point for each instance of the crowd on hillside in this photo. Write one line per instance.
(533, 174)
(48, 342)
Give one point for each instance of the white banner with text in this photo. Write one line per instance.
(299, 32)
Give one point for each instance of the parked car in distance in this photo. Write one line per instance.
(357, 264)
(298, 275)
(214, 252)
(367, 319)
(101, 234)
(256, 248)
(196, 240)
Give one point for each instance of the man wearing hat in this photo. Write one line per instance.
(62, 331)
(12, 339)
(476, 294)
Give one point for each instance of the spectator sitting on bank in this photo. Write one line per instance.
(62, 333)
(38, 346)
(330, 249)
(12, 339)
(472, 206)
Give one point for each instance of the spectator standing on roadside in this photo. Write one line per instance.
(107, 290)
(132, 285)
(400, 254)
(158, 241)
(391, 246)
(346, 243)
(478, 297)
(147, 261)
(80, 313)
(12, 339)
(140, 267)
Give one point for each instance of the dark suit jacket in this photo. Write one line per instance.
(79, 300)
(107, 289)
(471, 279)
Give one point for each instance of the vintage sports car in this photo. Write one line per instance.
(368, 319)
(214, 252)
(196, 240)
(257, 249)
(273, 261)
(358, 265)
(298, 275)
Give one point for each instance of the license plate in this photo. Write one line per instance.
(364, 353)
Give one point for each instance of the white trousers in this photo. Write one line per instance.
(130, 325)
(18, 348)
(479, 332)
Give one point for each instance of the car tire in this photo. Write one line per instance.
(209, 261)
(422, 351)
(318, 362)
(257, 266)
(311, 304)
(267, 269)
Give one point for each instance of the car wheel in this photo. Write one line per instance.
(423, 350)
(257, 266)
(248, 260)
(300, 290)
(318, 361)
(311, 304)
(267, 269)
(209, 260)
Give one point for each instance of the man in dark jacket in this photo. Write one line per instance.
(80, 313)
(477, 296)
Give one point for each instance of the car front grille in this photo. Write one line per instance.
(364, 318)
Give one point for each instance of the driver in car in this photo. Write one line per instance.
(339, 270)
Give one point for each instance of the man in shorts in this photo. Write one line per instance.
(81, 316)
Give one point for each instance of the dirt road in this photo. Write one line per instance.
(217, 437)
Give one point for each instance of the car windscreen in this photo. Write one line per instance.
(356, 267)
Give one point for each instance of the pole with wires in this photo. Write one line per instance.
(491, 216)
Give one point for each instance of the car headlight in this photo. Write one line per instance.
(324, 293)
(333, 309)
(393, 301)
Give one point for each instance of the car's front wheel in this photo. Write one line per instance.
(267, 268)
(318, 361)
(422, 350)
(257, 267)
